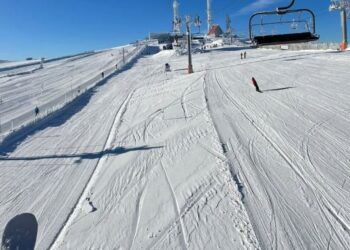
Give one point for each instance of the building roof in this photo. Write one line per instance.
(215, 31)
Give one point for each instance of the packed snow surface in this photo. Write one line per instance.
(25, 85)
(150, 159)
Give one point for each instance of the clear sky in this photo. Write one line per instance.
(50, 28)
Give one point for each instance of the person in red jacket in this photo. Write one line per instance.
(256, 85)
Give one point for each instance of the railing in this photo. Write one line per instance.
(28, 118)
(306, 46)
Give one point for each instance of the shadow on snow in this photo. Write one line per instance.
(277, 89)
(81, 156)
(20, 232)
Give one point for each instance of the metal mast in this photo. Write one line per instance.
(228, 25)
(198, 23)
(188, 29)
(177, 19)
(342, 6)
(209, 15)
(344, 44)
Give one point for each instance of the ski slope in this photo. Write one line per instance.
(157, 160)
(290, 146)
(24, 85)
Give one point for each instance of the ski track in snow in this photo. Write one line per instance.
(137, 217)
(177, 207)
(307, 178)
(88, 189)
(177, 161)
(57, 83)
(135, 130)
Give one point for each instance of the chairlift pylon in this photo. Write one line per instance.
(286, 38)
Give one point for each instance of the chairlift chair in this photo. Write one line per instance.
(296, 37)
(294, 25)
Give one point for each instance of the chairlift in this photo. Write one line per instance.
(295, 24)
(307, 27)
(296, 37)
(262, 30)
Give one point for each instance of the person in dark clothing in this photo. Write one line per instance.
(167, 67)
(36, 111)
(245, 55)
(241, 56)
(256, 85)
(103, 74)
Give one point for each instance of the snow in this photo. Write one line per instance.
(14, 64)
(289, 145)
(156, 160)
(23, 88)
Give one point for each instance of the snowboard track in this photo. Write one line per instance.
(59, 238)
(234, 175)
(318, 197)
(177, 207)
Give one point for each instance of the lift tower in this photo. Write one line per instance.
(343, 6)
(209, 15)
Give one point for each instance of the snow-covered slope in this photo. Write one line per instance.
(23, 87)
(290, 145)
(159, 160)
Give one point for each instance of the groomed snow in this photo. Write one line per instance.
(161, 160)
(23, 87)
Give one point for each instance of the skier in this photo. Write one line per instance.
(103, 74)
(245, 55)
(116, 66)
(241, 56)
(167, 67)
(36, 111)
(256, 85)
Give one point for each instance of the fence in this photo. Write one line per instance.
(306, 46)
(28, 118)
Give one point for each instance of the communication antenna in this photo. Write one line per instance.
(197, 22)
(209, 15)
(343, 6)
(228, 25)
(177, 19)
(339, 4)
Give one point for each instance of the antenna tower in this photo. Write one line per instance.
(209, 15)
(228, 25)
(177, 19)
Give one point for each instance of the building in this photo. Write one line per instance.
(215, 31)
(161, 37)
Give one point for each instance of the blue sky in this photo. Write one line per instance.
(50, 28)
